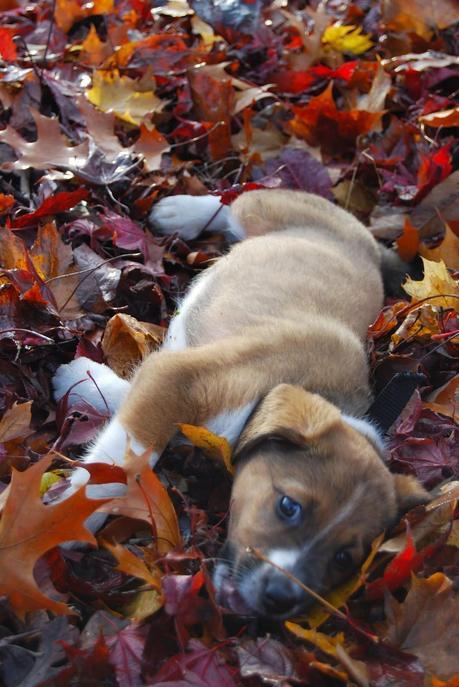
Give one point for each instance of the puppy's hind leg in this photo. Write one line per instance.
(188, 216)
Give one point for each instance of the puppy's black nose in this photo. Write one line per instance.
(280, 596)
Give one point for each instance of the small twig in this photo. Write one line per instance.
(196, 138)
(32, 61)
(320, 599)
(51, 26)
(27, 331)
(92, 269)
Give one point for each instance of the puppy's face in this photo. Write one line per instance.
(311, 493)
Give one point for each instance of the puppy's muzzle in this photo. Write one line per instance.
(280, 596)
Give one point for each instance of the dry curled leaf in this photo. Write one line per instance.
(127, 341)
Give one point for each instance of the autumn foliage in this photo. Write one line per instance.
(106, 107)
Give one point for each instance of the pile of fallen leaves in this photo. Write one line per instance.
(106, 107)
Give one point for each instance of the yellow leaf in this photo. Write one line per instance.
(339, 596)
(325, 643)
(420, 324)
(213, 446)
(47, 481)
(125, 97)
(348, 39)
(437, 282)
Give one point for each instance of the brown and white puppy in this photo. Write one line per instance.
(268, 349)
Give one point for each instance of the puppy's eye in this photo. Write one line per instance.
(343, 559)
(289, 510)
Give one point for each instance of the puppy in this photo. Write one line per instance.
(268, 350)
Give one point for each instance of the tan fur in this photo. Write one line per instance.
(282, 323)
(292, 306)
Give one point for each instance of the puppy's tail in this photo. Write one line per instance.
(395, 271)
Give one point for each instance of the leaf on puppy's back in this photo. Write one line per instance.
(213, 446)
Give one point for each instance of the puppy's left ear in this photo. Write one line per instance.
(409, 492)
(289, 413)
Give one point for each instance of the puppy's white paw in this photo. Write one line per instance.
(189, 215)
(93, 382)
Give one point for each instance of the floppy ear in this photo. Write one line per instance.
(409, 492)
(289, 412)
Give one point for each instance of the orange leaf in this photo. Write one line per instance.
(93, 50)
(68, 12)
(444, 118)
(50, 255)
(151, 144)
(13, 253)
(147, 499)
(28, 529)
(325, 643)
(408, 242)
(320, 123)
(6, 202)
(131, 564)
(447, 250)
(213, 446)
(446, 399)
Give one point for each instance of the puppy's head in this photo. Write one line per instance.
(311, 493)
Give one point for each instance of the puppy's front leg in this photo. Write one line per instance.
(188, 216)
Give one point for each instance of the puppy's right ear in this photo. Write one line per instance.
(290, 413)
(409, 492)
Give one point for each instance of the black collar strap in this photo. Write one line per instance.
(390, 402)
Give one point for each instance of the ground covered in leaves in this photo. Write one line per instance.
(106, 107)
